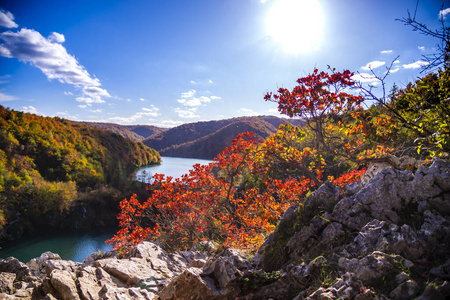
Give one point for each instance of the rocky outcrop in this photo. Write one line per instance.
(386, 237)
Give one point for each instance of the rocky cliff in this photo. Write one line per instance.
(384, 237)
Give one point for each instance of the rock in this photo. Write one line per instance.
(373, 266)
(380, 199)
(307, 238)
(88, 284)
(324, 198)
(190, 285)
(161, 261)
(64, 265)
(346, 287)
(129, 271)
(13, 265)
(6, 282)
(436, 292)
(197, 263)
(406, 290)
(227, 268)
(38, 265)
(204, 246)
(64, 284)
(372, 170)
(401, 278)
(389, 238)
(442, 271)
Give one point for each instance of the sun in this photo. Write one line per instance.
(296, 25)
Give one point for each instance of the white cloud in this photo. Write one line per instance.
(416, 65)
(394, 70)
(95, 92)
(373, 65)
(128, 100)
(5, 97)
(47, 54)
(194, 101)
(82, 106)
(124, 120)
(396, 62)
(149, 112)
(443, 13)
(146, 112)
(29, 109)
(96, 110)
(386, 51)
(171, 123)
(6, 19)
(187, 112)
(65, 115)
(141, 99)
(4, 78)
(51, 58)
(248, 112)
(421, 48)
(210, 81)
(189, 94)
(191, 103)
(365, 78)
(193, 82)
(68, 93)
(89, 101)
(56, 37)
(188, 99)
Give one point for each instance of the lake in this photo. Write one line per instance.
(75, 245)
(170, 166)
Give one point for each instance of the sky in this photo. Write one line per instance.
(166, 63)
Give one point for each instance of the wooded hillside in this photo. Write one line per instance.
(46, 162)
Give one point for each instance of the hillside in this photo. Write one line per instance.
(135, 133)
(207, 139)
(48, 164)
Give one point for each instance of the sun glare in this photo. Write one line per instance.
(296, 25)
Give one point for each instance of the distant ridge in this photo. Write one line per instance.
(197, 140)
(136, 133)
(207, 139)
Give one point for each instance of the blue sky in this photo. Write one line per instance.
(171, 62)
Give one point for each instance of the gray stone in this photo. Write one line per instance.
(324, 198)
(64, 283)
(6, 282)
(404, 291)
(190, 285)
(373, 266)
(13, 265)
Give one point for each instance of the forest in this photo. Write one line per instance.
(46, 164)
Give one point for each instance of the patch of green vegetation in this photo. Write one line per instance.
(256, 280)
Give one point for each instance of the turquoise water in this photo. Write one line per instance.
(70, 245)
(170, 166)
